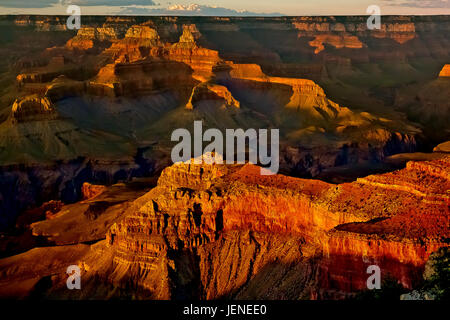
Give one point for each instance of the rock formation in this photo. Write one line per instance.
(89, 37)
(217, 231)
(305, 93)
(201, 60)
(84, 39)
(33, 108)
(349, 34)
(90, 191)
(443, 147)
(200, 208)
(141, 78)
(63, 87)
(212, 92)
(99, 107)
(339, 42)
(135, 46)
(131, 80)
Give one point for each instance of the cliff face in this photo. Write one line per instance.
(33, 108)
(201, 60)
(133, 80)
(142, 78)
(349, 34)
(99, 106)
(221, 231)
(211, 231)
(132, 48)
(338, 32)
(212, 92)
(118, 82)
(89, 37)
(90, 191)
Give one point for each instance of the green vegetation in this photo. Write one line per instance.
(437, 274)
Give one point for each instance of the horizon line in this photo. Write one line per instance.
(224, 16)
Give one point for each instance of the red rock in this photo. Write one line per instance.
(212, 92)
(201, 60)
(90, 191)
(347, 227)
(88, 37)
(337, 41)
(445, 72)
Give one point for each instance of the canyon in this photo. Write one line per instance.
(86, 118)
(210, 231)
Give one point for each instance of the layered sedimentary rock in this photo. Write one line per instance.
(337, 32)
(429, 103)
(63, 87)
(60, 181)
(223, 231)
(58, 71)
(201, 60)
(143, 65)
(155, 65)
(94, 215)
(36, 77)
(349, 34)
(90, 191)
(89, 37)
(33, 108)
(84, 39)
(213, 92)
(312, 105)
(135, 46)
(443, 147)
(302, 89)
(339, 42)
(305, 93)
(42, 23)
(143, 77)
(400, 32)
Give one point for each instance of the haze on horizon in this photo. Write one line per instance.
(226, 7)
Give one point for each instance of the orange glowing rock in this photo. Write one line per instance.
(445, 72)
(90, 191)
(395, 220)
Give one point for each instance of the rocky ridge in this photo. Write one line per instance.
(116, 61)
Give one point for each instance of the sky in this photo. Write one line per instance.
(226, 7)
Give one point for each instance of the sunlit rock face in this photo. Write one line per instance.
(443, 147)
(135, 45)
(351, 34)
(33, 108)
(89, 37)
(135, 71)
(98, 107)
(339, 42)
(90, 191)
(226, 230)
(201, 60)
(210, 92)
(210, 231)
